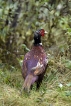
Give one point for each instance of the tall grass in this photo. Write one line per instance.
(54, 91)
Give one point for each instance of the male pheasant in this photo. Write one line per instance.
(35, 62)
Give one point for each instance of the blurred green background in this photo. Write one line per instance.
(19, 19)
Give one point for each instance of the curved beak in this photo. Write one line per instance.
(45, 32)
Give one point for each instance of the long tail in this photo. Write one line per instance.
(30, 79)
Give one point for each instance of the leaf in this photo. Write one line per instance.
(1, 12)
(68, 93)
(69, 84)
(25, 47)
(68, 64)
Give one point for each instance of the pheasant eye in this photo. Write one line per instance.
(42, 32)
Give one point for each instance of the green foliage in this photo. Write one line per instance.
(11, 78)
(18, 22)
(5, 8)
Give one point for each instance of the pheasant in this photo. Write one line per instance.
(35, 63)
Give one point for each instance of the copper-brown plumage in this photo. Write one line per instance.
(34, 63)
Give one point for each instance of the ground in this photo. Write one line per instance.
(54, 91)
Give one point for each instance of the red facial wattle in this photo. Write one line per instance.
(42, 32)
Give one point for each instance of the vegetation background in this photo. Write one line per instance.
(18, 21)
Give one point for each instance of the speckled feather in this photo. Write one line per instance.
(37, 54)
